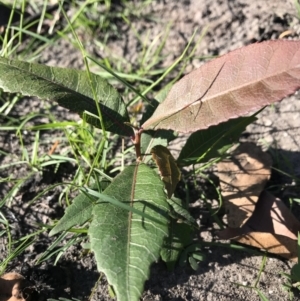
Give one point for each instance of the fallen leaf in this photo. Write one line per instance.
(275, 244)
(242, 178)
(277, 218)
(271, 227)
(14, 287)
(168, 169)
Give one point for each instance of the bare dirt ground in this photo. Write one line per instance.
(231, 24)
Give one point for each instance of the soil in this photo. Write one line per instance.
(231, 24)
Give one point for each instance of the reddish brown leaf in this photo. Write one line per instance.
(232, 85)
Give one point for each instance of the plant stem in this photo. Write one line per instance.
(136, 140)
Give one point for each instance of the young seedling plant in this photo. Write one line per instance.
(135, 219)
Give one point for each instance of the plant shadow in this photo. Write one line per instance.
(226, 266)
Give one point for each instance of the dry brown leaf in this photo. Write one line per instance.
(275, 244)
(14, 287)
(242, 178)
(272, 227)
(9, 283)
(169, 171)
(254, 218)
(272, 215)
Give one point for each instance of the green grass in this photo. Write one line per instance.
(256, 283)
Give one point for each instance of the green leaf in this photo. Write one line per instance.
(150, 139)
(104, 198)
(193, 263)
(125, 243)
(188, 252)
(198, 256)
(207, 144)
(70, 88)
(180, 235)
(79, 212)
(295, 272)
(178, 207)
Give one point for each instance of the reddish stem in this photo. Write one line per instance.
(137, 142)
